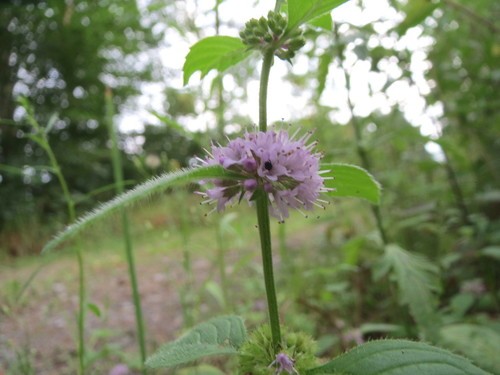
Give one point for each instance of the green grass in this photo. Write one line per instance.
(157, 238)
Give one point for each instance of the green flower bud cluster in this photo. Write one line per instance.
(257, 354)
(270, 33)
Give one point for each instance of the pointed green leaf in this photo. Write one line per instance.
(153, 186)
(95, 309)
(398, 357)
(52, 121)
(322, 72)
(221, 335)
(303, 11)
(351, 181)
(325, 22)
(491, 251)
(171, 122)
(214, 52)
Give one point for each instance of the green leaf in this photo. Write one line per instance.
(214, 52)
(491, 251)
(95, 309)
(323, 69)
(416, 11)
(398, 357)
(325, 22)
(221, 335)
(153, 186)
(418, 283)
(52, 121)
(170, 122)
(479, 343)
(303, 11)
(351, 181)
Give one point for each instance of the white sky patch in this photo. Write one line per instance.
(284, 103)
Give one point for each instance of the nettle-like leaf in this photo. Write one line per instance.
(221, 335)
(153, 186)
(398, 357)
(303, 11)
(418, 283)
(351, 181)
(214, 52)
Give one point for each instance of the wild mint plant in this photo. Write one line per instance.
(275, 172)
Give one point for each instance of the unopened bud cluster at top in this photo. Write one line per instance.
(271, 33)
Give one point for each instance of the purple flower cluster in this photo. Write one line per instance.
(285, 168)
(283, 363)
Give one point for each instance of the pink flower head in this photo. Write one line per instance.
(283, 363)
(286, 169)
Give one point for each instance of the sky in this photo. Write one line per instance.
(284, 102)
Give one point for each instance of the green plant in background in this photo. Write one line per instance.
(39, 135)
(252, 168)
(187, 293)
(119, 181)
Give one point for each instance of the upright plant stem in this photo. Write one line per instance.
(221, 263)
(82, 292)
(187, 293)
(118, 175)
(267, 265)
(456, 189)
(263, 214)
(219, 84)
(264, 80)
(365, 161)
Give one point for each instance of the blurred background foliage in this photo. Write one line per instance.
(441, 197)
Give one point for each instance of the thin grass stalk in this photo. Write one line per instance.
(82, 290)
(187, 294)
(118, 176)
(365, 161)
(221, 264)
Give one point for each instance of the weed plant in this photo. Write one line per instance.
(342, 286)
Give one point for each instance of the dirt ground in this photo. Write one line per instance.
(38, 332)
(42, 327)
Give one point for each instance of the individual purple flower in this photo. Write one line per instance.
(287, 169)
(283, 363)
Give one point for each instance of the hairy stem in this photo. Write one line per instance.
(267, 264)
(118, 176)
(263, 213)
(264, 80)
